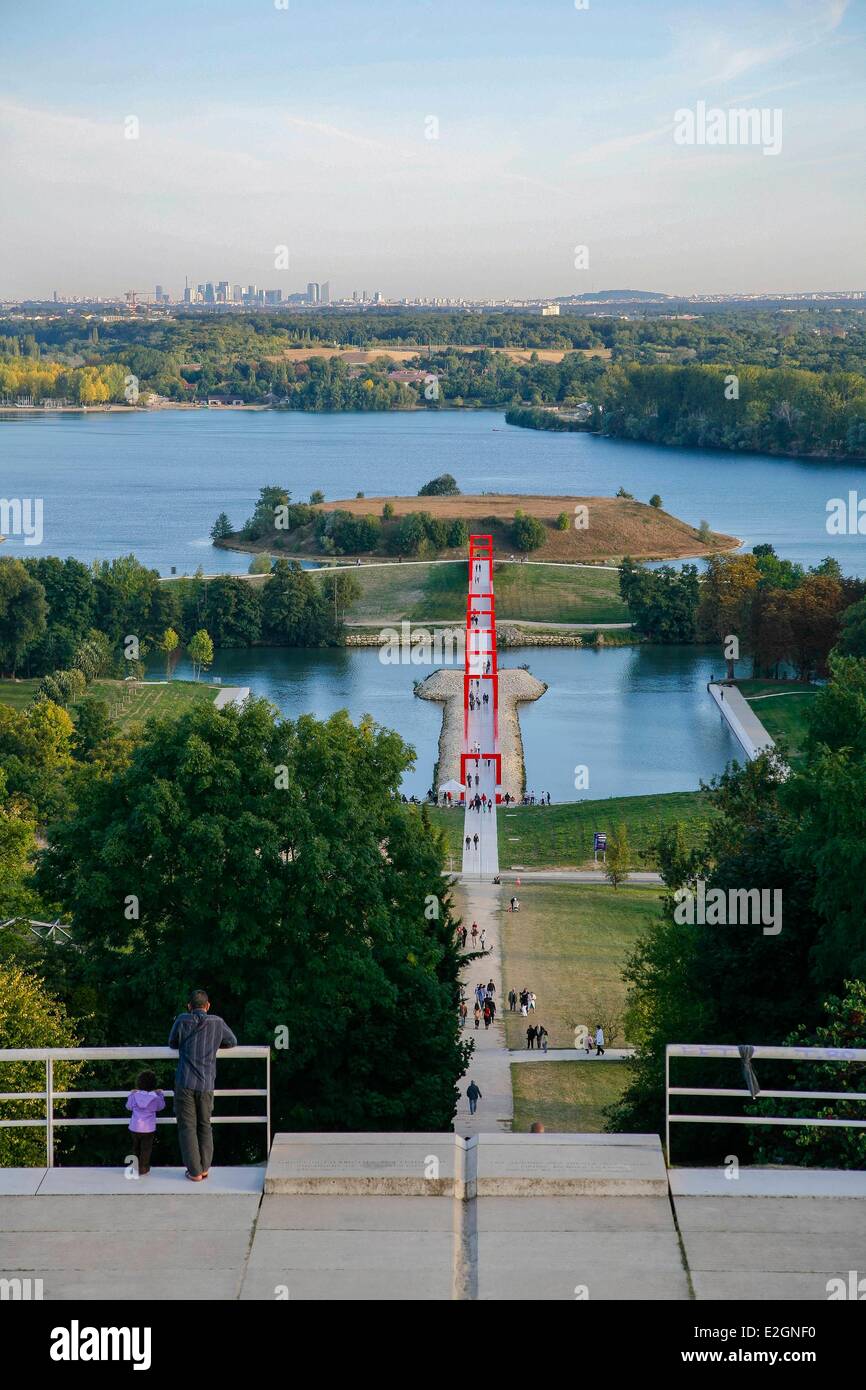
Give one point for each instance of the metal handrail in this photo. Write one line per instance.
(731, 1052)
(50, 1055)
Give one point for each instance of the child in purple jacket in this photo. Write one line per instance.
(144, 1102)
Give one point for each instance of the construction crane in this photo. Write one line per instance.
(132, 298)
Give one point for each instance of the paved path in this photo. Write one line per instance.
(642, 879)
(490, 1067)
(741, 719)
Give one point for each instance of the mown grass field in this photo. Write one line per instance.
(128, 703)
(569, 943)
(560, 837)
(437, 592)
(782, 709)
(567, 1097)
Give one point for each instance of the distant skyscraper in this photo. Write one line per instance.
(159, 294)
(312, 292)
(326, 292)
(237, 294)
(209, 296)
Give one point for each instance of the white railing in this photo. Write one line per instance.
(731, 1052)
(50, 1055)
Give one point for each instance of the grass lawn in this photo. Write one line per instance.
(568, 943)
(128, 704)
(424, 593)
(567, 1097)
(561, 836)
(781, 707)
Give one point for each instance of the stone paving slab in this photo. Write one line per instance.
(768, 1182)
(108, 1248)
(600, 1166)
(19, 1182)
(399, 1164)
(175, 1213)
(159, 1182)
(740, 1285)
(324, 1213)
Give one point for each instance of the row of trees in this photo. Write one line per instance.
(61, 615)
(779, 612)
(767, 410)
(88, 385)
(801, 831)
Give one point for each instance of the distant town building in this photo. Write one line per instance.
(312, 292)
(550, 311)
(325, 296)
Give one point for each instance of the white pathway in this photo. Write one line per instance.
(490, 1067)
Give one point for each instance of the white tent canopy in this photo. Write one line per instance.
(451, 787)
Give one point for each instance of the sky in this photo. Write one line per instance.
(430, 147)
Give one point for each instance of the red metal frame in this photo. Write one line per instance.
(480, 600)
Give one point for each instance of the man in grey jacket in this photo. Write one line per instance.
(198, 1035)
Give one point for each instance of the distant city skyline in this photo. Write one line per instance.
(493, 151)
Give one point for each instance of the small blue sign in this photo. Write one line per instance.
(599, 841)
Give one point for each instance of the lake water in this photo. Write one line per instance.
(639, 718)
(154, 483)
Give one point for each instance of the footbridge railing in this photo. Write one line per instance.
(50, 1121)
(746, 1056)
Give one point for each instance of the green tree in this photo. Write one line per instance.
(443, 486)
(200, 651)
(655, 500)
(527, 532)
(35, 754)
(222, 528)
(618, 858)
(274, 863)
(30, 1017)
(563, 521)
(260, 564)
(167, 644)
(93, 728)
(23, 612)
(341, 589)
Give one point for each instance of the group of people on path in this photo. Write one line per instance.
(525, 1000)
(536, 1036)
(485, 1005)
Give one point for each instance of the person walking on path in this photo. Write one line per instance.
(530, 1036)
(473, 1095)
(483, 937)
(463, 1012)
(477, 1014)
(463, 935)
(144, 1103)
(541, 1036)
(198, 1035)
(587, 1042)
(488, 1016)
(474, 934)
(512, 1001)
(491, 988)
(599, 1041)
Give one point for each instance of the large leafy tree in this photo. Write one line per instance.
(29, 1017)
(22, 613)
(273, 863)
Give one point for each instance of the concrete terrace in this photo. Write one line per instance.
(395, 1217)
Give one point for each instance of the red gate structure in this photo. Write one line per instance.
(480, 672)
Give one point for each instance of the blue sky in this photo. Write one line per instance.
(308, 127)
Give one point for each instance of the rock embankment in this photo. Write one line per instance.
(515, 688)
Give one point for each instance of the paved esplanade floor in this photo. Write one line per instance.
(436, 1216)
(490, 1067)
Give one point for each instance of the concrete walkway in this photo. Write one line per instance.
(741, 719)
(490, 1067)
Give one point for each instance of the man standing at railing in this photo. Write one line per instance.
(198, 1035)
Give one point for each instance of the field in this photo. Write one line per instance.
(781, 707)
(128, 703)
(567, 1097)
(560, 837)
(569, 943)
(400, 356)
(433, 592)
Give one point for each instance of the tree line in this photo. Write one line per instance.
(781, 614)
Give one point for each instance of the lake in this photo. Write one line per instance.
(153, 483)
(639, 718)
